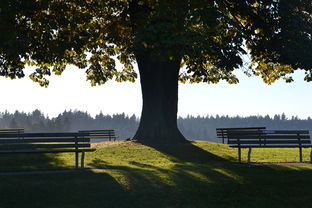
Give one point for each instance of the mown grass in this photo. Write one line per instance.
(125, 174)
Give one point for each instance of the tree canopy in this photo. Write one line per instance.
(210, 36)
(190, 41)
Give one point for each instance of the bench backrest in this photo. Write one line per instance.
(269, 138)
(11, 131)
(38, 141)
(222, 132)
(100, 134)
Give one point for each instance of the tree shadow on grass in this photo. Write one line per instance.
(187, 152)
(194, 178)
(30, 162)
(65, 190)
(198, 178)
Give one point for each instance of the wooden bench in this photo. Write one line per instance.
(100, 134)
(26, 143)
(269, 139)
(11, 131)
(222, 132)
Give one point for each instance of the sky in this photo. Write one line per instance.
(71, 91)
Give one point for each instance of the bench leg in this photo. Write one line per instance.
(239, 155)
(249, 153)
(76, 153)
(82, 159)
(311, 156)
(300, 153)
(77, 159)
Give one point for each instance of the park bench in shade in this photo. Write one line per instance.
(222, 132)
(11, 131)
(28, 143)
(269, 139)
(100, 134)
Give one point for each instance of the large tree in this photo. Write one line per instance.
(170, 40)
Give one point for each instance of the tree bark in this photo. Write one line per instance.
(159, 85)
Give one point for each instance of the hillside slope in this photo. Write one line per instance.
(126, 174)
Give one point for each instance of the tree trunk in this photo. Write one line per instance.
(159, 84)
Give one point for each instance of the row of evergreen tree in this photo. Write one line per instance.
(68, 121)
(202, 128)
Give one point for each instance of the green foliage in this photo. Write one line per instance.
(210, 37)
(281, 43)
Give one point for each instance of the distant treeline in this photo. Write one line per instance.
(67, 121)
(202, 128)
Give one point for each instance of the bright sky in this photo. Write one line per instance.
(71, 91)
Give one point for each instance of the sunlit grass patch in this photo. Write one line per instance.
(262, 155)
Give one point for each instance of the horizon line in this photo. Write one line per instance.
(287, 117)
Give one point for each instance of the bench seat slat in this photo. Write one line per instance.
(242, 128)
(34, 135)
(271, 146)
(257, 137)
(269, 132)
(102, 137)
(35, 146)
(3, 141)
(263, 142)
(18, 130)
(103, 130)
(107, 133)
(100, 134)
(45, 151)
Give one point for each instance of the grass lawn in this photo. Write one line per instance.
(126, 174)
